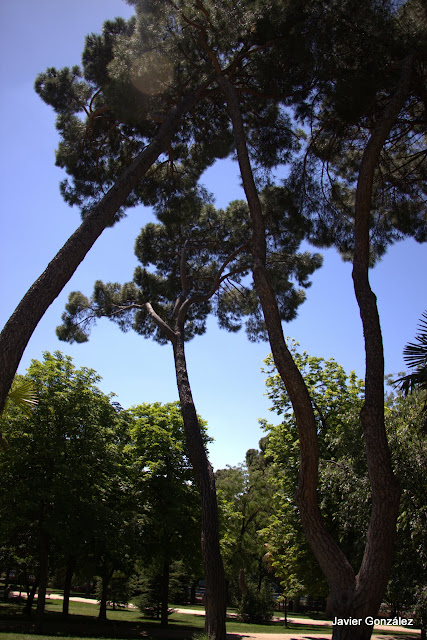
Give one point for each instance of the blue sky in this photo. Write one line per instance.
(224, 369)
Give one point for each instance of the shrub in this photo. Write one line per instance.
(257, 607)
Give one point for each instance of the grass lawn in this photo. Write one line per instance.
(123, 624)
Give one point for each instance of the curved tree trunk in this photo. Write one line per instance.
(376, 563)
(30, 598)
(328, 554)
(20, 326)
(352, 596)
(214, 571)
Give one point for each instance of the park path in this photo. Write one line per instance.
(317, 635)
(412, 634)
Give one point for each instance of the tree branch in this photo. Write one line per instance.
(163, 326)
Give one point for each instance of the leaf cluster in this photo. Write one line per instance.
(337, 399)
(169, 505)
(198, 258)
(347, 105)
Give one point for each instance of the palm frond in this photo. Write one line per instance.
(415, 353)
(23, 395)
(408, 384)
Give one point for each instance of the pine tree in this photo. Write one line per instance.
(200, 260)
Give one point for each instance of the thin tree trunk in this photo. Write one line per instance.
(6, 586)
(334, 564)
(376, 563)
(102, 614)
(213, 568)
(242, 582)
(20, 326)
(30, 599)
(106, 577)
(165, 595)
(43, 578)
(71, 564)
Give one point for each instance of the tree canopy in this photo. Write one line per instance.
(243, 78)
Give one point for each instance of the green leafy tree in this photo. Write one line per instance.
(244, 499)
(336, 399)
(405, 589)
(344, 492)
(170, 509)
(193, 264)
(59, 466)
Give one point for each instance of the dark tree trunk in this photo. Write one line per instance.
(213, 568)
(43, 578)
(165, 595)
(330, 557)
(71, 564)
(102, 614)
(242, 583)
(106, 577)
(376, 563)
(352, 596)
(20, 326)
(6, 590)
(29, 604)
(89, 587)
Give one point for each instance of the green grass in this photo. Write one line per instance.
(128, 624)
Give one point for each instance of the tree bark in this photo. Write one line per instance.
(6, 589)
(71, 564)
(352, 596)
(102, 614)
(106, 577)
(333, 562)
(165, 595)
(376, 563)
(213, 568)
(22, 323)
(43, 578)
(242, 583)
(30, 599)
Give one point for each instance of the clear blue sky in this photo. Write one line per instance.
(224, 369)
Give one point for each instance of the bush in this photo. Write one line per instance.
(119, 591)
(257, 607)
(150, 595)
(180, 581)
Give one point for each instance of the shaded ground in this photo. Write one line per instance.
(378, 630)
(80, 626)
